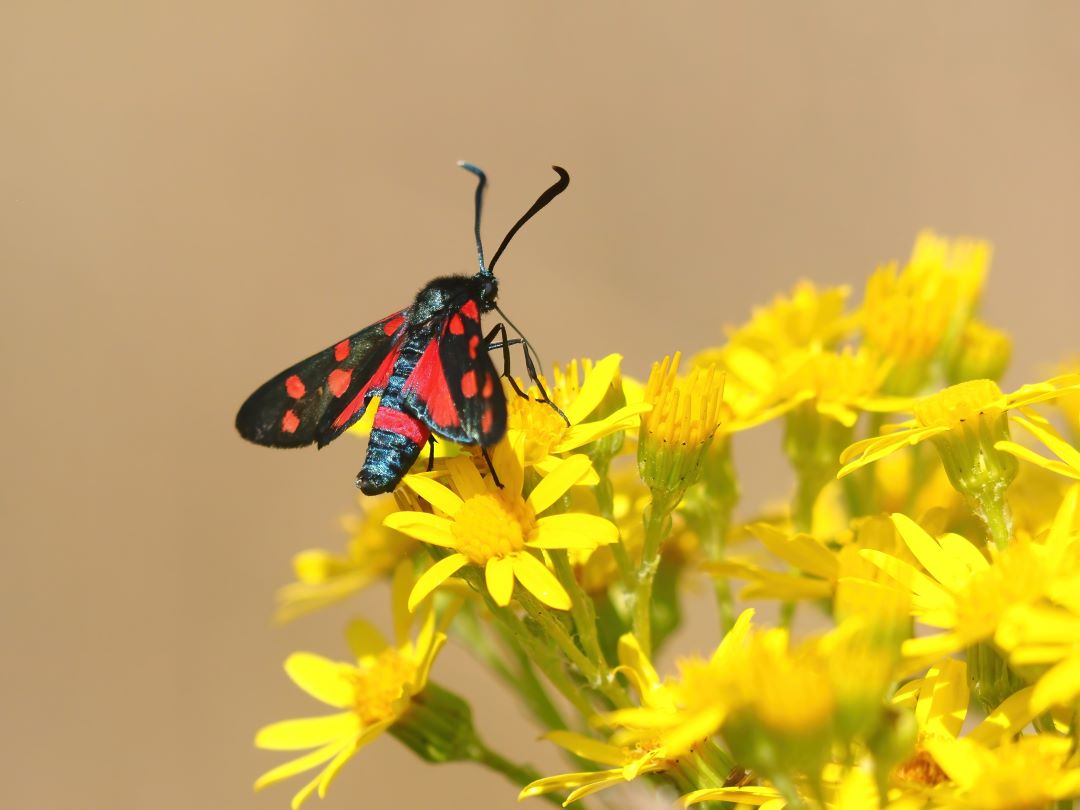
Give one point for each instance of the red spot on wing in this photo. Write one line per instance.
(390, 325)
(395, 421)
(339, 380)
(486, 419)
(374, 385)
(428, 381)
(474, 344)
(456, 326)
(295, 387)
(468, 384)
(470, 310)
(341, 351)
(290, 422)
(489, 386)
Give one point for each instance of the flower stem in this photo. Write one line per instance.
(657, 519)
(581, 605)
(520, 775)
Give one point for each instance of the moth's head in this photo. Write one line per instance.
(487, 292)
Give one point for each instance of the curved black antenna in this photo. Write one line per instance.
(481, 183)
(541, 201)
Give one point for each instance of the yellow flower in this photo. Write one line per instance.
(966, 594)
(678, 430)
(673, 722)
(323, 577)
(1026, 773)
(962, 410)
(916, 315)
(983, 353)
(499, 530)
(808, 319)
(547, 436)
(373, 694)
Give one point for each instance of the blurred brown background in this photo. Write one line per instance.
(195, 194)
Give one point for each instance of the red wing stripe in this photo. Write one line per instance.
(429, 383)
(376, 383)
(470, 310)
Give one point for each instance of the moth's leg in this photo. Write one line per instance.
(431, 454)
(505, 345)
(494, 475)
(531, 369)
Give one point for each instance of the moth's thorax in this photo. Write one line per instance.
(452, 292)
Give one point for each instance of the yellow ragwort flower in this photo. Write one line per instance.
(579, 391)
(968, 423)
(323, 577)
(372, 694)
(500, 530)
(914, 316)
(678, 430)
(674, 720)
(807, 319)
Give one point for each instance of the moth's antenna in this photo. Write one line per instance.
(481, 183)
(542, 200)
(524, 339)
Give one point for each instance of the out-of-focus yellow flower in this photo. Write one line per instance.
(966, 594)
(372, 694)
(983, 353)
(373, 552)
(807, 319)
(914, 316)
(674, 720)
(677, 431)
(579, 390)
(1031, 771)
(497, 529)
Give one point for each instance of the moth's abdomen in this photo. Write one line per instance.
(396, 441)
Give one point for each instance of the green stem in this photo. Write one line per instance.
(581, 605)
(810, 484)
(993, 509)
(657, 520)
(596, 673)
(520, 775)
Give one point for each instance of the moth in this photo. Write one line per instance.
(429, 365)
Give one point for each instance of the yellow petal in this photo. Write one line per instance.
(331, 771)
(364, 638)
(507, 458)
(562, 782)
(432, 529)
(399, 601)
(605, 780)
(1059, 686)
(434, 577)
(908, 576)
(802, 550)
(499, 575)
(307, 732)
(466, 479)
(323, 679)
(870, 450)
(750, 794)
(594, 389)
(587, 747)
(549, 463)
(434, 493)
(299, 765)
(1007, 720)
(633, 658)
(626, 418)
(573, 531)
(943, 699)
(556, 483)
(1026, 454)
(927, 551)
(540, 582)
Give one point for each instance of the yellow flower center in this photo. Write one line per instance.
(959, 403)
(685, 412)
(379, 685)
(492, 525)
(922, 769)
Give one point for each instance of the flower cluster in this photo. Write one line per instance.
(914, 637)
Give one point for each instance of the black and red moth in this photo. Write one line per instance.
(428, 364)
